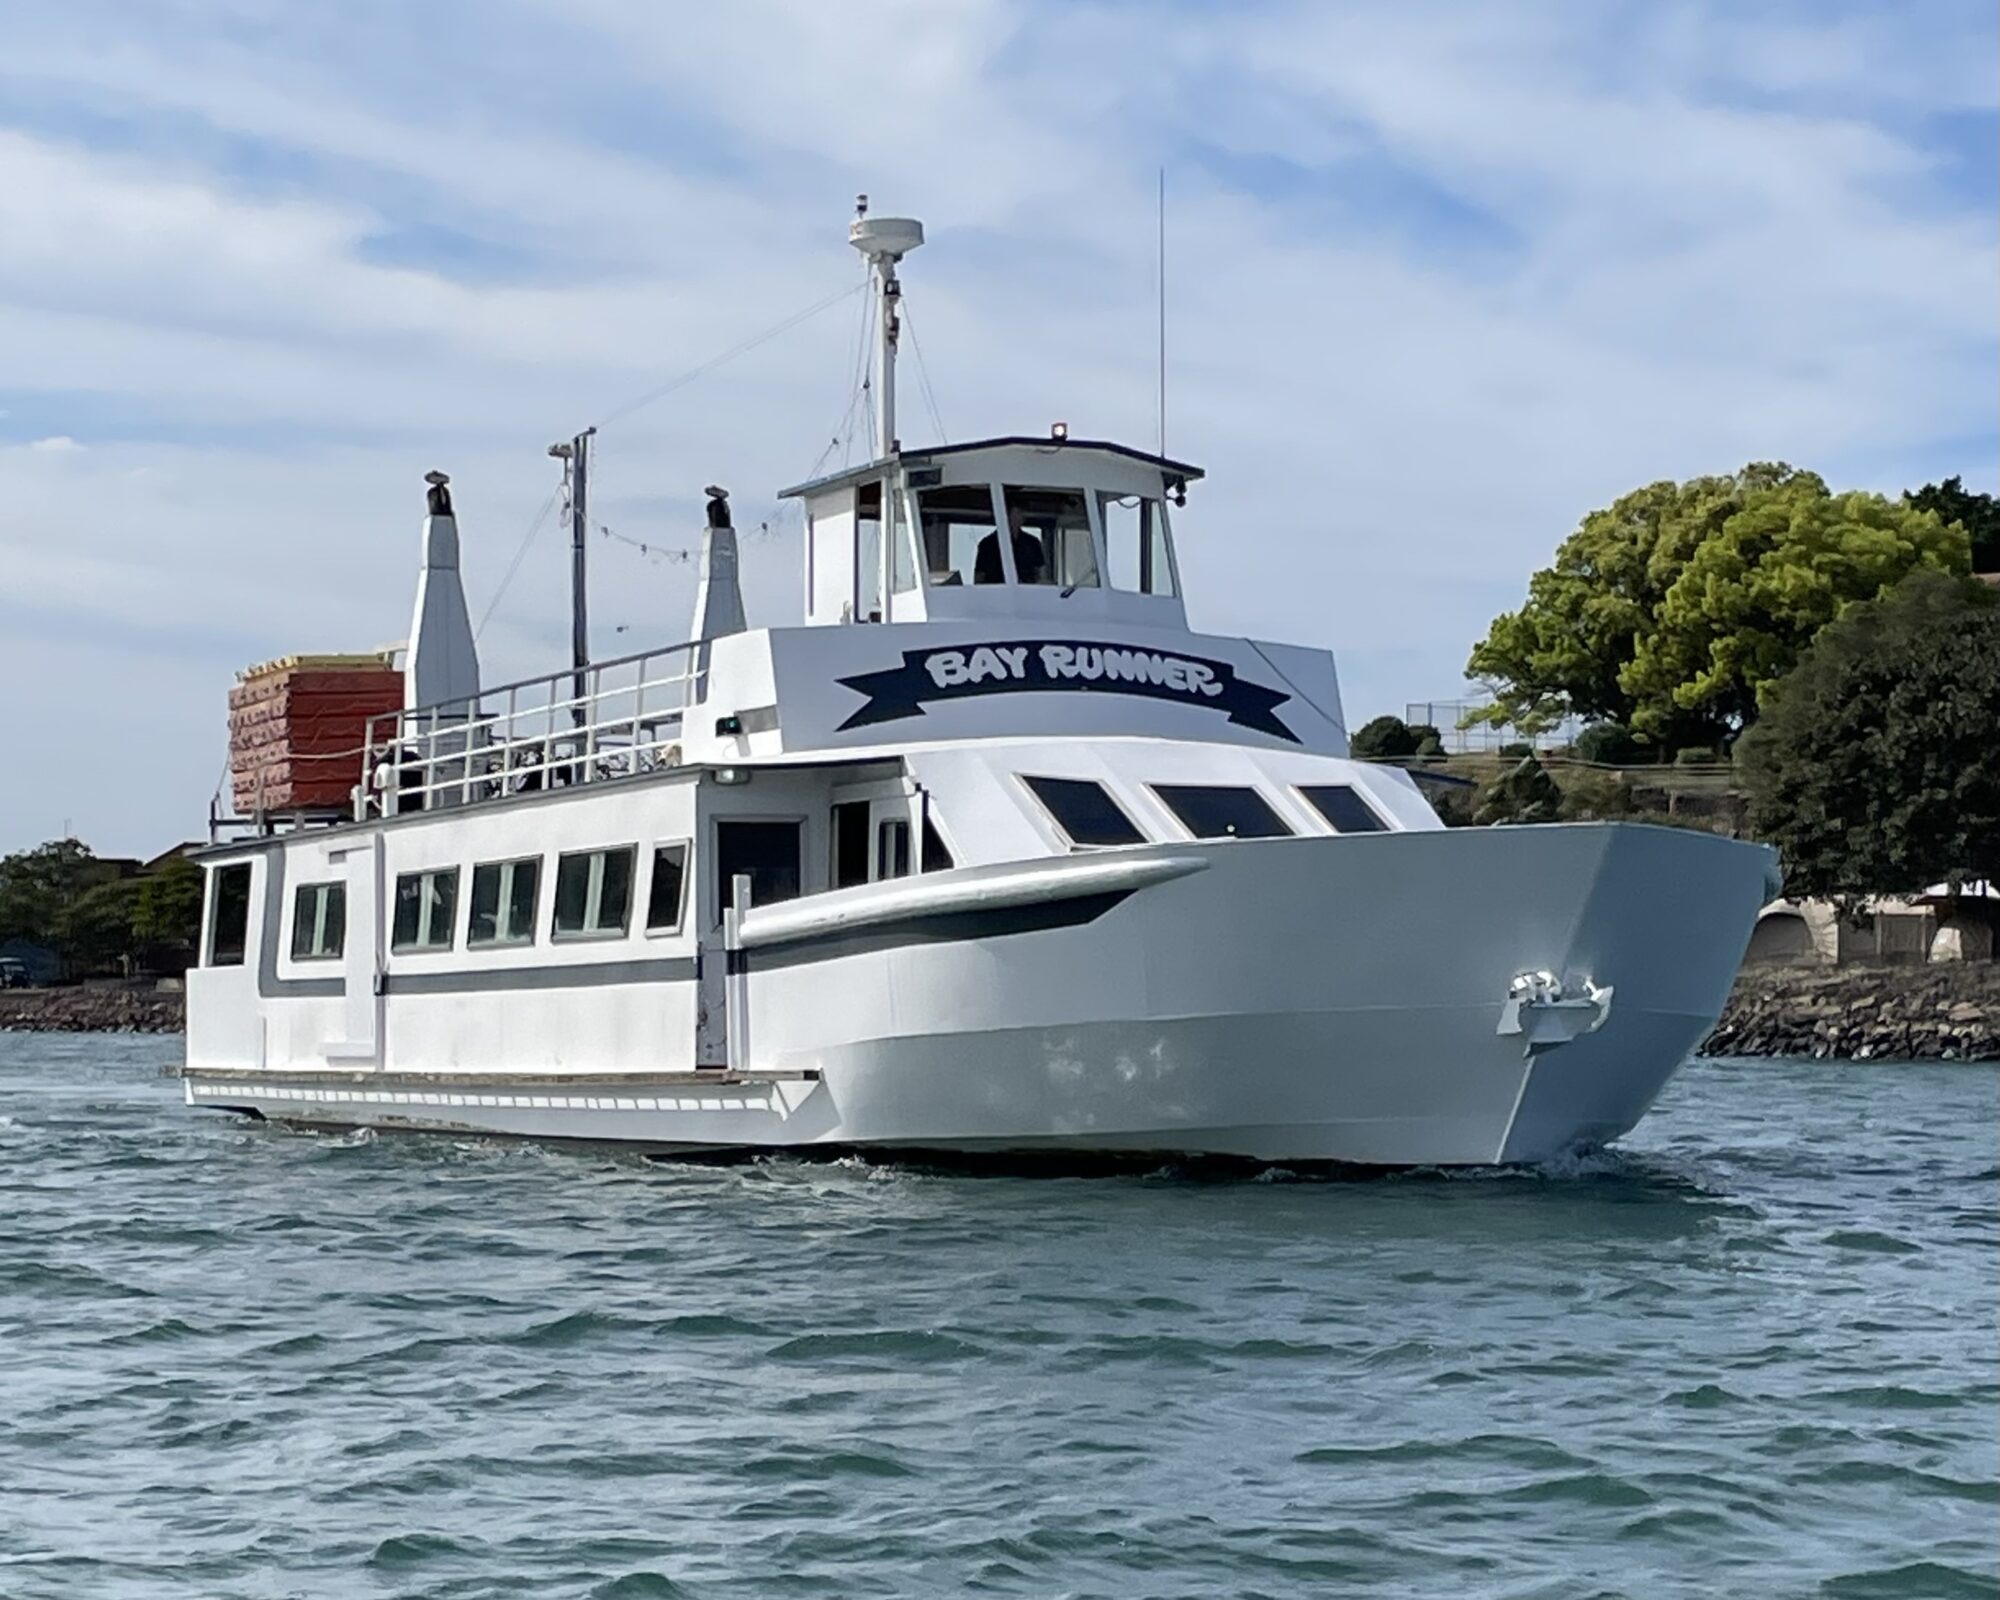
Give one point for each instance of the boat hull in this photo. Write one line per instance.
(1341, 999)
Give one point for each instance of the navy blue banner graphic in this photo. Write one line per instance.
(956, 672)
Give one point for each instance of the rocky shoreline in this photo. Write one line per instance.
(1938, 1013)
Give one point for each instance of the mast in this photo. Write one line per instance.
(575, 457)
(885, 241)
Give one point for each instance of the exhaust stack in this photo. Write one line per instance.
(442, 668)
(718, 606)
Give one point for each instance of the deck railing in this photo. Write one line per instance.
(540, 733)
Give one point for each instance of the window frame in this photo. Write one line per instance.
(211, 909)
(1028, 780)
(1282, 829)
(507, 869)
(1382, 822)
(679, 924)
(422, 946)
(594, 893)
(323, 893)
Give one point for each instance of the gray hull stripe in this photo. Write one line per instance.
(671, 969)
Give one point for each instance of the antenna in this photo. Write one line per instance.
(1162, 212)
(885, 241)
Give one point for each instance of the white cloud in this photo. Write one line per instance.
(55, 443)
(1441, 280)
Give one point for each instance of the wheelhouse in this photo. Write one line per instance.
(1012, 527)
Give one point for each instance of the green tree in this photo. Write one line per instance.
(39, 886)
(1384, 739)
(1674, 609)
(166, 913)
(1875, 768)
(1977, 514)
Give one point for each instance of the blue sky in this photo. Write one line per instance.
(1442, 278)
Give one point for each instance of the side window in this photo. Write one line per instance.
(228, 914)
(319, 921)
(1218, 811)
(892, 848)
(503, 902)
(937, 854)
(594, 893)
(1136, 545)
(1344, 810)
(668, 889)
(868, 544)
(956, 529)
(850, 843)
(425, 904)
(1084, 812)
(1051, 534)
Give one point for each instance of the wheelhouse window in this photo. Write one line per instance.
(1051, 537)
(228, 915)
(425, 904)
(319, 921)
(960, 544)
(1345, 811)
(503, 902)
(892, 848)
(594, 893)
(1084, 811)
(1136, 544)
(767, 853)
(668, 890)
(1220, 811)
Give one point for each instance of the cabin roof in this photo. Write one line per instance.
(916, 458)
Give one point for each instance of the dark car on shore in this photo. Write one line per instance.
(14, 974)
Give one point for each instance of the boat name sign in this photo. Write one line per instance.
(1040, 665)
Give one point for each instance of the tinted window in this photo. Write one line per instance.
(1084, 811)
(425, 902)
(1216, 811)
(594, 893)
(228, 915)
(663, 901)
(1345, 810)
(767, 853)
(319, 921)
(850, 843)
(503, 902)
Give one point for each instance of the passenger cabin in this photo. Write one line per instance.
(918, 537)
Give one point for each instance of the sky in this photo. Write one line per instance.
(1441, 278)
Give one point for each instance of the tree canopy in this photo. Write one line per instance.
(1676, 608)
(63, 896)
(1977, 514)
(1875, 767)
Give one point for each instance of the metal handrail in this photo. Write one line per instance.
(457, 753)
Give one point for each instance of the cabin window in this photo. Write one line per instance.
(1084, 811)
(503, 902)
(319, 921)
(1136, 545)
(892, 848)
(1052, 543)
(228, 914)
(425, 903)
(868, 547)
(902, 549)
(937, 855)
(668, 890)
(850, 843)
(767, 853)
(956, 524)
(1344, 810)
(1219, 811)
(594, 893)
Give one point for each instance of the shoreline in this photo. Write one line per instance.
(1946, 1012)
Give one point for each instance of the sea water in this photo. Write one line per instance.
(1752, 1351)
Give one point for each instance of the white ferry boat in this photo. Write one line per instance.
(991, 855)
